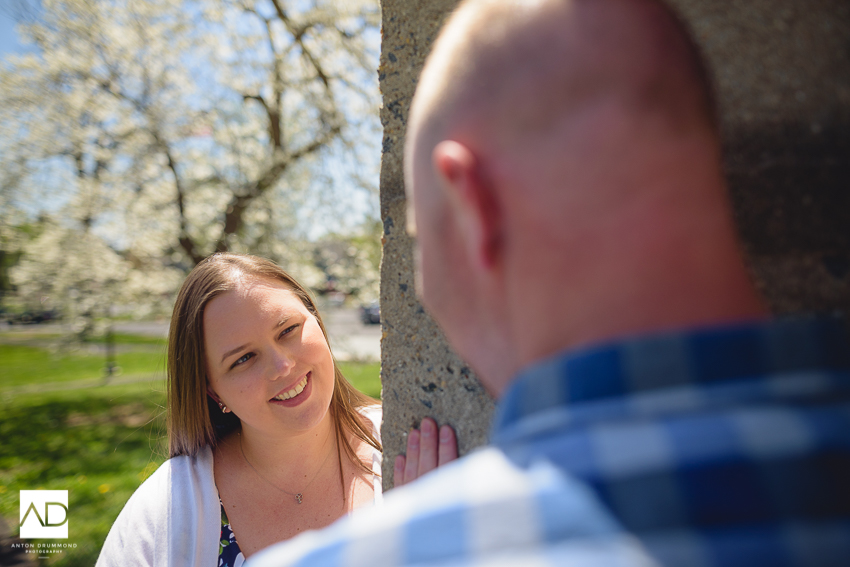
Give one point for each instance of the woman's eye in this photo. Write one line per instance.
(244, 358)
(286, 331)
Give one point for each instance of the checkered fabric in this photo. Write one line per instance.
(717, 447)
(725, 446)
(480, 510)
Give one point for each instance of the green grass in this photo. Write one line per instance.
(98, 443)
(27, 336)
(117, 338)
(125, 339)
(366, 377)
(28, 365)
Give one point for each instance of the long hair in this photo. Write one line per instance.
(194, 419)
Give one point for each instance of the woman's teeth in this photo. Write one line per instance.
(299, 387)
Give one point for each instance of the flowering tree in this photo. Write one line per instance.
(351, 263)
(156, 132)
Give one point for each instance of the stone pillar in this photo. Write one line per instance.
(782, 70)
(421, 376)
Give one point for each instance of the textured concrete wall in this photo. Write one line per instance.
(782, 69)
(420, 375)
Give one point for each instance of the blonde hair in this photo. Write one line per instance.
(194, 419)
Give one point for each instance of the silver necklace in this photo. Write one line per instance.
(298, 495)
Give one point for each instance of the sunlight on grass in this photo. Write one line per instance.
(99, 443)
(82, 441)
(366, 377)
(26, 365)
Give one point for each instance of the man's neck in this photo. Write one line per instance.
(668, 280)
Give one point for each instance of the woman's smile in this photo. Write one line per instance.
(267, 356)
(296, 395)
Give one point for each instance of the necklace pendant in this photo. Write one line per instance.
(298, 498)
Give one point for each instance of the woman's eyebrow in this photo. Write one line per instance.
(232, 352)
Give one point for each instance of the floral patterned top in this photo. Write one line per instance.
(229, 554)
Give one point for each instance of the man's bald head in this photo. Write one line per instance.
(563, 161)
(502, 71)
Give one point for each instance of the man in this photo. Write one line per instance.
(576, 245)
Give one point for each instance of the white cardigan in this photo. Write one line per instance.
(174, 518)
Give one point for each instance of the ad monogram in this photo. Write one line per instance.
(44, 514)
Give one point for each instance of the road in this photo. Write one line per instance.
(350, 338)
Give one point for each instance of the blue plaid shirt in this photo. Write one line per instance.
(717, 447)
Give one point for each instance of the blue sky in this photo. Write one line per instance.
(8, 35)
(9, 10)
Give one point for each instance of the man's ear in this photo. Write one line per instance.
(472, 199)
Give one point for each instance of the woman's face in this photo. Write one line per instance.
(267, 359)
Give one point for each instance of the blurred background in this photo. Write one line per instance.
(136, 138)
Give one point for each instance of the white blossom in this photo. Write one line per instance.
(152, 133)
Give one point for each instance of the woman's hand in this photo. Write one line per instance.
(426, 450)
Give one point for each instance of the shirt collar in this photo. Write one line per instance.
(651, 362)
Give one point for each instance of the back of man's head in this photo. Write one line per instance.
(563, 159)
(546, 59)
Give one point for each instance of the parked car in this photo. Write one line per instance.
(33, 317)
(371, 314)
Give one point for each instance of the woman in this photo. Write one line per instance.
(267, 439)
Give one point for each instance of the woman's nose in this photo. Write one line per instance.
(281, 363)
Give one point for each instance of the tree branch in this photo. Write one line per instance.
(239, 203)
(298, 36)
(186, 241)
(275, 134)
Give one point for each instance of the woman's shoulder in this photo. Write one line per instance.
(142, 523)
(374, 414)
(177, 472)
(200, 463)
